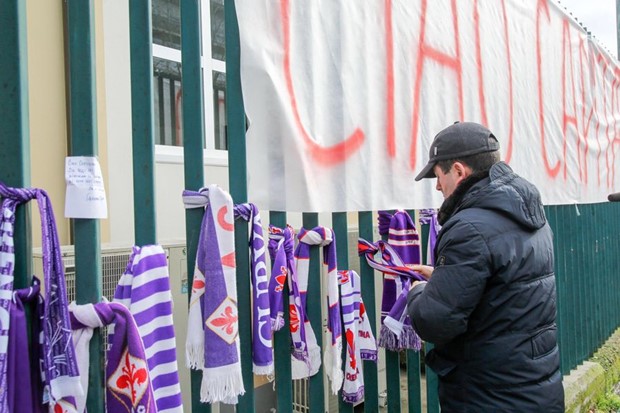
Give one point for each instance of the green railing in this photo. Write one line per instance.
(586, 236)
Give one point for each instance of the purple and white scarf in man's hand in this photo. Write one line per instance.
(361, 343)
(397, 256)
(59, 362)
(325, 238)
(262, 349)
(128, 381)
(144, 289)
(212, 329)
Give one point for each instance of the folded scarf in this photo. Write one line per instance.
(215, 349)
(360, 341)
(262, 348)
(59, 363)
(401, 251)
(128, 384)
(25, 387)
(144, 289)
(325, 238)
(429, 217)
(281, 242)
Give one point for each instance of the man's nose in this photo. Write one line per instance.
(438, 185)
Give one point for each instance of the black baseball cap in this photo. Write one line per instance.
(457, 141)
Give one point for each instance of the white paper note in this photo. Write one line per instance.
(85, 196)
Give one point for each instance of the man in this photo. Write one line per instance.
(489, 305)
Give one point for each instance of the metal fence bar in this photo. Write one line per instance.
(237, 178)
(193, 133)
(83, 137)
(339, 224)
(14, 126)
(316, 384)
(142, 121)
(282, 341)
(414, 373)
(367, 275)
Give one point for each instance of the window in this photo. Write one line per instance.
(167, 73)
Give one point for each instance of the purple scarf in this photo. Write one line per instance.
(262, 350)
(25, 392)
(59, 362)
(144, 289)
(128, 383)
(281, 243)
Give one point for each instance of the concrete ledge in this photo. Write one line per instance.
(592, 379)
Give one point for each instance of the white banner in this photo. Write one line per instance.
(344, 98)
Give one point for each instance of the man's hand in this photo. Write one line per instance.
(425, 270)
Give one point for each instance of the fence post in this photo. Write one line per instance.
(83, 137)
(193, 134)
(237, 178)
(142, 123)
(14, 127)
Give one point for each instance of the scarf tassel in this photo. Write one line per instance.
(409, 339)
(194, 356)
(277, 323)
(387, 339)
(224, 388)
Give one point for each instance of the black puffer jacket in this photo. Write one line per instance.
(490, 305)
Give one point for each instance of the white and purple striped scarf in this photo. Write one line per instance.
(262, 348)
(429, 217)
(59, 362)
(144, 289)
(361, 343)
(128, 380)
(325, 238)
(215, 349)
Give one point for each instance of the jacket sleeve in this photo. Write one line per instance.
(440, 309)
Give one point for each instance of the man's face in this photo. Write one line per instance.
(447, 182)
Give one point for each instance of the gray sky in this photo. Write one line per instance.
(599, 16)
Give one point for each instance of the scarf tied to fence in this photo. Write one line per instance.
(262, 348)
(361, 343)
(429, 217)
(326, 238)
(400, 252)
(212, 328)
(25, 391)
(281, 244)
(61, 376)
(128, 383)
(144, 289)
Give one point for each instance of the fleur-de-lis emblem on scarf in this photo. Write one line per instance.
(227, 320)
(280, 278)
(130, 378)
(351, 348)
(294, 318)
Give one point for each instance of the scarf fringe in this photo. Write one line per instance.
(263, 370)
(218, 388)
(387, 339)
(353, 398)
(278, 323)
(194, 356)
(409, 339)
(334, 372)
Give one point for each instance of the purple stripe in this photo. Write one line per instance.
(156, 310)
(122, 292)
(165, 380)
(159, 334)
(149, 263)
(152, 287)
(169, 402)
(162, 357)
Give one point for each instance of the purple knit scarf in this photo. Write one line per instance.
(59, 362)
(401, 251)
(429, 217)
(262, 350)
(128, 383)
(25, 391)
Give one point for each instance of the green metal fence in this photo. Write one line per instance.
(586, 236)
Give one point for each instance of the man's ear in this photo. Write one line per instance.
(461, 170)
